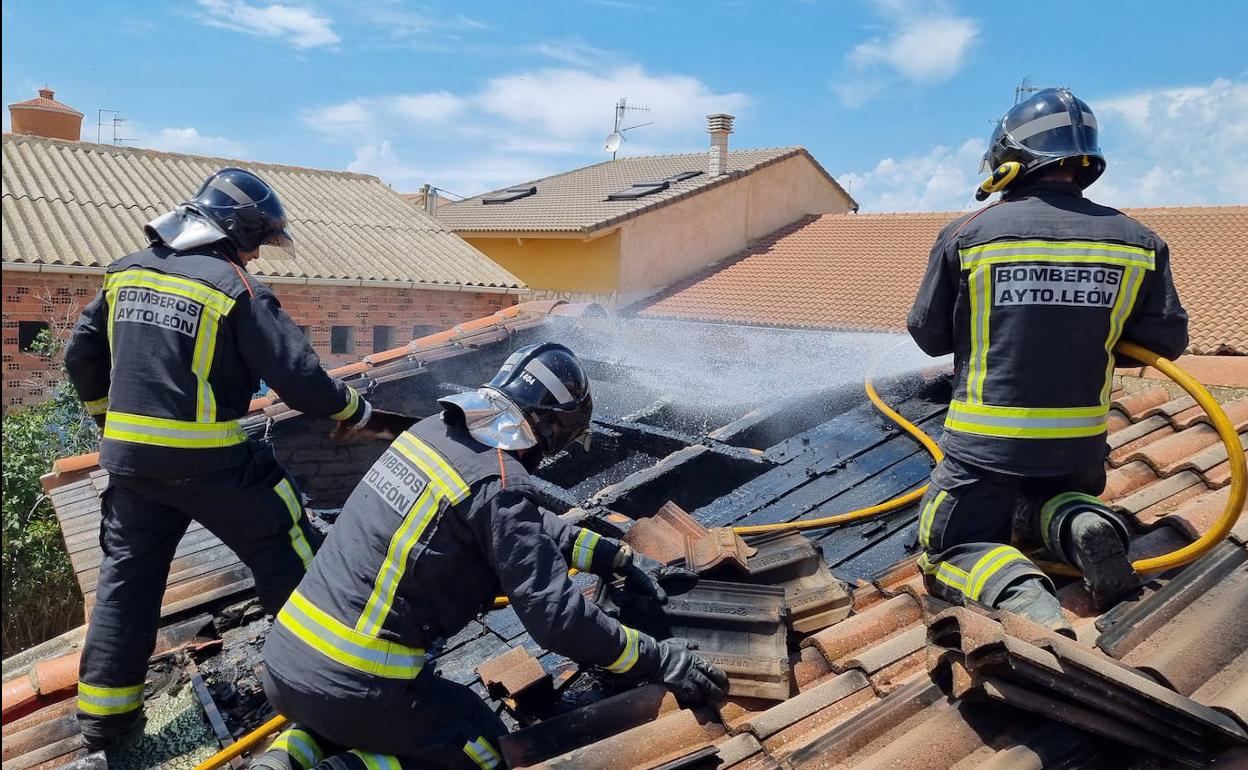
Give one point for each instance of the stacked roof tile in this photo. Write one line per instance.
(79, 204)
(877, 678)
(840, 271)
(576, 201)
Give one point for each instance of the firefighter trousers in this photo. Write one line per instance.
(970, 515)
(427, 722)
(255, 509)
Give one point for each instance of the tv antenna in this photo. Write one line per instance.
(1023, 88)
(117, 120)
(615, 139)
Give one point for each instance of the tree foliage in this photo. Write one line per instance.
(41, 595)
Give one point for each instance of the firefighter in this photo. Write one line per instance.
(442, 522)
(1030, 294)
(166, 358)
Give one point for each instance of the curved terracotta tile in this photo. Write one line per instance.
(1134, 405)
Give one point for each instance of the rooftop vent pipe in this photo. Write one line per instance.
(719, 126)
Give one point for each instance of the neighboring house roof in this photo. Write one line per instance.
(576, 201)
(79, 204)
(44, 101)
(861, 271)
(860, 689)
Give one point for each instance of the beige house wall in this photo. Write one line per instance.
(678, 240)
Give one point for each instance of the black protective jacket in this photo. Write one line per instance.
(171, 351)
(438, 527)
(1030, 295)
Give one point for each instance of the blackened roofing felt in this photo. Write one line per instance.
(875, 678)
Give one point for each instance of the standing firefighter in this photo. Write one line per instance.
(166, 358)
(1030, 294)
(443, 521)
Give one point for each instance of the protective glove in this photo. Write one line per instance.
(688, 675)
(375, 425)
(644, 575)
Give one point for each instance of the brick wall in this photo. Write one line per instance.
(40, 296)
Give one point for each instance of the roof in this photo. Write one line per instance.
(861, 271)
(576, 201)
(881, 675)
(44, 101)
(79, 204)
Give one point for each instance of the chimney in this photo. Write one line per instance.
(429, 198)
(719, 126)
(44, 116)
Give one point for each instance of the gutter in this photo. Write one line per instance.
(364, 283)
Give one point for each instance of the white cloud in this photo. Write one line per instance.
(928, 44)
(299, 26)
(517, 126)
(943, 179)
(574, 52)
(189, 140)
(1175, 146)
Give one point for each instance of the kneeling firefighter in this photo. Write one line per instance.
(443, 521)
(1030, 294)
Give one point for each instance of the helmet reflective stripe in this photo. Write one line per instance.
(231, 189)
(548, 378)
(1048, 123)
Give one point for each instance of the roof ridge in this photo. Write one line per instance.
(116, 150)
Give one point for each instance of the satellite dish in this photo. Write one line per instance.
(612, 142)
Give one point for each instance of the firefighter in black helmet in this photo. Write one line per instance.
(445, 520)
(1030, 294)
(166, 358)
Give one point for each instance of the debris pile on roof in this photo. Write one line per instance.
(837, 656)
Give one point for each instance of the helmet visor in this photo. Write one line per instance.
(278, 246)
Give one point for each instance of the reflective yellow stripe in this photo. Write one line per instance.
(179, 434)
(583, 549)
(98, 406)
(395, 564)
(377, 761)
(343, 644)
(201, 365)
(301, 746)
(1027, 422)
(980, 288)
(628, 657)
(927, 516)
(99, 700)
(989, 565)
(353, 403)
(483, 753)
(205, 295)
(298, 540)
(1132, 278)
(1056, 251)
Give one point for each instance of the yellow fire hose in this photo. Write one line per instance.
(1185, 555)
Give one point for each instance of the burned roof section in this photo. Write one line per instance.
(836, 654)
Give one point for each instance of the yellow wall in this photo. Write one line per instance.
(558, 264)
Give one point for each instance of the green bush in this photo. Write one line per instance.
(41, 594)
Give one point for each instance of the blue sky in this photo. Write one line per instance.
(895, 97)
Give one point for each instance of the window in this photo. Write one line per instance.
(682, 176)
(638, 190)
(383, 338)
(510, 194)
(27, 331)
(423, 330)
(342, 339)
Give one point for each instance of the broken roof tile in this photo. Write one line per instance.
(665, 535)
(512, 673)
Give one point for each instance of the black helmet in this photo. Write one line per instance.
(1052, 126)
(244, 207)
(549, 386)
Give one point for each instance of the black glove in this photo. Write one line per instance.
(644, 575)
(688, 675)
(377, 424)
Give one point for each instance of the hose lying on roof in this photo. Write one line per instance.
(1185, 555)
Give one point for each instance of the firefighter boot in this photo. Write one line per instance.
(1099, 549)
(1031, 599)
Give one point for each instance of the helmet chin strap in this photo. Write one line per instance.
(1000, 179)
